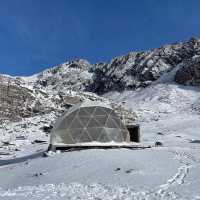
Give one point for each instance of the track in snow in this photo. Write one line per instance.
(22, 159)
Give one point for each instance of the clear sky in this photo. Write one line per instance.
(37, 34)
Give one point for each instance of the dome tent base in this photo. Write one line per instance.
(96, 145)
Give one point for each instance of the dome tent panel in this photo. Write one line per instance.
(84, 120)
(73, 114)
(76, 134)
(65, 123)
(89, 110)
(93, 123)
(110, 123)
(83, 112)
(64, 135)
(76, 123)
(101, 111)
(114, 134)
(89, 122)
(85, 137)
(126, 136)
(95, 133)
(101, 119)
(118, 121)
(104, 137)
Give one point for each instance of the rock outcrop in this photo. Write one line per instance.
(139, 69)
(73, 75)
(189, 73)
(15, 100)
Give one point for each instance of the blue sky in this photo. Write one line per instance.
(37, 34)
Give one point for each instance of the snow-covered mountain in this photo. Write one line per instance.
(70, 82)
(159, 89)
(127, 72)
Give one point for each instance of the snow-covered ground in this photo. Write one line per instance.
(157, 173)
(167, 112)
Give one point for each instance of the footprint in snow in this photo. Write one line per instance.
(129, 171)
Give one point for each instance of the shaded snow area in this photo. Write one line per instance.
(167, 113)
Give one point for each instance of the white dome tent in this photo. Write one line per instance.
(90, 123)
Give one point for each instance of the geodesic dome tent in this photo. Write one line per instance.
(86, 123)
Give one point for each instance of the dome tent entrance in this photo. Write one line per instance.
(86, 123)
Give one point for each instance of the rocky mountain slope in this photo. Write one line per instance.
(68, 83)
(128, 72)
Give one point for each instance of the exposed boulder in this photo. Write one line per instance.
(189, 73)
(15, 100)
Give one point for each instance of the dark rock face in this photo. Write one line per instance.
(13, 99)
(189, 73)
(139, 69)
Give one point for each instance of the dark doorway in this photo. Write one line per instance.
(134, 132)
